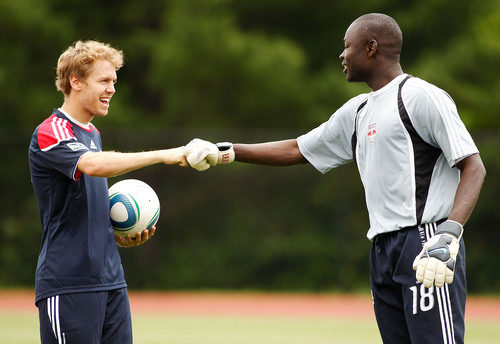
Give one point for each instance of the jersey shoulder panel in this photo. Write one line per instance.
(421, 89)
(54, 130)
(348, 111)
(354, 103)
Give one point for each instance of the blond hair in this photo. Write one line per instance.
(78, 60)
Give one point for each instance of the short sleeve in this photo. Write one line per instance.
(58, 146)
(435, 117)
(329, 145)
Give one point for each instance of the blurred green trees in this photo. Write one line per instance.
(243, 71)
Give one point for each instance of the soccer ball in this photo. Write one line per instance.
(134, 207)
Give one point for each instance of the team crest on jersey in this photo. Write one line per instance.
(372, 132)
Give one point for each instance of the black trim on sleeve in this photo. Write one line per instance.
(424, 155)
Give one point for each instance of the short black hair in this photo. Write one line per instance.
(384, 29)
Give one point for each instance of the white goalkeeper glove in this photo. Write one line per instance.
(435, 265)
(224, 155)
(202, 154)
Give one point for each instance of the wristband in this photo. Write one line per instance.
(450, 227)
(226, 152)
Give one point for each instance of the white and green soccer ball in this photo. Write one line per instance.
(134, 207)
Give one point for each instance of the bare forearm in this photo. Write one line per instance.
(278, 153)
(471, 180)
(109, 164)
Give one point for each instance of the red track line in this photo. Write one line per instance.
(252, 304)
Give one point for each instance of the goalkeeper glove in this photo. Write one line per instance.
(196, 152)
(225, 154)
(202, 154)
(436, 262)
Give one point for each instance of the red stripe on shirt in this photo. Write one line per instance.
(54, 130)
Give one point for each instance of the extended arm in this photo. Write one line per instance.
(109, 164)
(278, 153)
(202, 154)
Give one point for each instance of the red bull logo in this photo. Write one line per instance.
(372, 132)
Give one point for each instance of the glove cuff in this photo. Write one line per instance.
(226, 152)
(450, 227)
(224, 146)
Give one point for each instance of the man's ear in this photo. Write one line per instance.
(75, 83)
(371, 48)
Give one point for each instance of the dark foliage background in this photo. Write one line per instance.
(242, 71)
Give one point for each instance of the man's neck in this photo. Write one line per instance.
(76, 111)
(388, 74)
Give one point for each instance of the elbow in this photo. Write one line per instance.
(90, 169)
(296, 156)
(482, 171)
(477, 168)
(89, 166)
(290, 157)
(93, 170)
(299, 159)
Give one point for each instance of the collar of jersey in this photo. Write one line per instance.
(81, 125)
(387, 87)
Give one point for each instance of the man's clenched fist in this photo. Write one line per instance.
(196, 153)
(202, 154)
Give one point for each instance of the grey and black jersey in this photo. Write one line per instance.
(406, 139)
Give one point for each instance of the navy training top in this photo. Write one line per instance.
(78, 251)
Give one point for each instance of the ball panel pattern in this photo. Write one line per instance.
(131, 218)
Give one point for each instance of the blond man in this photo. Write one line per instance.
(80, 287)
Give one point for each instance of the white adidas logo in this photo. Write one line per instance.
(92, 145)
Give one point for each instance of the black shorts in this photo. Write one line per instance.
(86, 318)
(406, 311)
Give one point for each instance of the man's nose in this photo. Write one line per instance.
(111, 88)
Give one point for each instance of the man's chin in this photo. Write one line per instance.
(350, 78)
(353, 78)
(101, 113)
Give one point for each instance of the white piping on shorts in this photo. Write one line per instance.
(443, 298)
(53, 313)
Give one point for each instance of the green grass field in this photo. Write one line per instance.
(22, 328)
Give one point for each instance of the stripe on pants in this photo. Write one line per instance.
(443, 298)
(53, 313)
